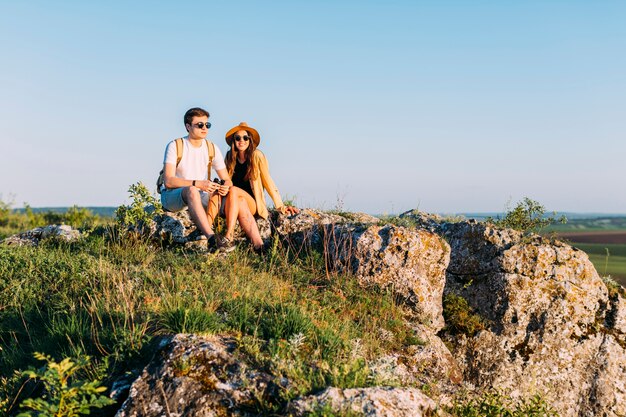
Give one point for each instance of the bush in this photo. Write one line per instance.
(141, 210)
(65, 394)
(527, 216)
(459, 317)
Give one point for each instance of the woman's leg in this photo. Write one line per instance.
(241, 206)
(213, 208)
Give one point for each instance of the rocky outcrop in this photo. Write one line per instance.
(33, 237)
(550, 326)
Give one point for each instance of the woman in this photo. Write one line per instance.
(250, 174)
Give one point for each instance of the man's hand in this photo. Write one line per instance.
(205, 185)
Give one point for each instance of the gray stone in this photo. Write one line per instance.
(199, 376)
(33, 237)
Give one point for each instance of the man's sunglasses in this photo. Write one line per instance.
(240, 138)
(201, 125)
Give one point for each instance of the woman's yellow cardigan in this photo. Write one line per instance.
(260, 180)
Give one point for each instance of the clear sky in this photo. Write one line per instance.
(445, 106)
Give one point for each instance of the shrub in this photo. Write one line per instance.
(527, 216)
(65, 394)
(459, 317)
(141, 211)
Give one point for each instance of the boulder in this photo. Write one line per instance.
(412, 262)
(547, 314)
(33, 237)
(199, 376)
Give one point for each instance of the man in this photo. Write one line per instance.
(188, 184)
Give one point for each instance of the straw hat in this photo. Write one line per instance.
(243, 126)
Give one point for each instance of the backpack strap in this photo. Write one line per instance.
(179, 150)
(210, 146)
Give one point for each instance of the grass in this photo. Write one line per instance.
(110, 299)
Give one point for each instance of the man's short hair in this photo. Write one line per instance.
(194, 112)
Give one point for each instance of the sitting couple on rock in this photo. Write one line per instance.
(239, 195)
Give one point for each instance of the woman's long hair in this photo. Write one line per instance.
(231, 159)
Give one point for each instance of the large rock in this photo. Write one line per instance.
(370, 402)
(199, 376)
(547, 312)
(410, 261)
(33, 237)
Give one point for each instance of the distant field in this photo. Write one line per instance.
(614, 264)
(590, 224)
(617, 237)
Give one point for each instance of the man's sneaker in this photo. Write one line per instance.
(225, 245)
(263, 249)
(211, 244)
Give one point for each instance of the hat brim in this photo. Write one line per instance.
(256, 138)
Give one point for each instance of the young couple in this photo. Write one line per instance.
(244, 174)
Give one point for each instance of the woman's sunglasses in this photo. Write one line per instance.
(201, 125)
(240, 138)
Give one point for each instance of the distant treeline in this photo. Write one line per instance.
(99, 211)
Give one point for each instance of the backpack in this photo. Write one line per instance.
(179, 156)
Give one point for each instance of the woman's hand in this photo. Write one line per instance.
(223, 190)
(289, 210)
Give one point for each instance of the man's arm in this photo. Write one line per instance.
(223, 174)
(172, 181)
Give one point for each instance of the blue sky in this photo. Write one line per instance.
(368, 106)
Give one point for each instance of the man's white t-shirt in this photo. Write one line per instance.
(193, 165)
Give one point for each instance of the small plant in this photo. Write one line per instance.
(65, 394)
(141, 211)
(290, 200)
(613, 287)
(460, 319)
(527, 216)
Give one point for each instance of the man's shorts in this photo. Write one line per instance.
(172, 199)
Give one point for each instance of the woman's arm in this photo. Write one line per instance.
(269, 185)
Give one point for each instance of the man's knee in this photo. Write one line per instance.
(191, 193)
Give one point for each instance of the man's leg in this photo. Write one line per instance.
(193, 199)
